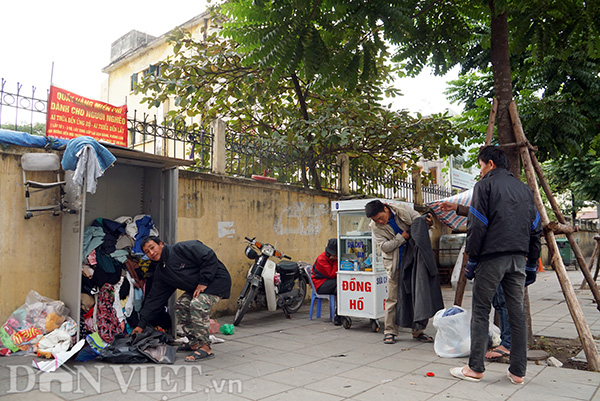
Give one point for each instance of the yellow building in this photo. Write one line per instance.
(134, 55)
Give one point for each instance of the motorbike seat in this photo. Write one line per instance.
(284, 267)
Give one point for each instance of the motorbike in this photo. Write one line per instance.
(282, 285)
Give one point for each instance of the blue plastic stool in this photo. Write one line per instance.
(319, 298)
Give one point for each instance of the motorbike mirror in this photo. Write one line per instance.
(251, 253)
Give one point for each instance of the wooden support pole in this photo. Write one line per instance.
(462, 282)
(597, 268)
(593, 261)
(490, 127)
(561, 219)
(581, 325)
(559, 228)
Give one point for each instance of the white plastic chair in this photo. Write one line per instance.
(318, 297)
(34, 162)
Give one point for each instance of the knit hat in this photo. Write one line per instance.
(331, 247)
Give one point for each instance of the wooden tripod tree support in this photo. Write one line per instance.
(593, 261)
(529, 161)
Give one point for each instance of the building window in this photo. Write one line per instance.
(134, 81)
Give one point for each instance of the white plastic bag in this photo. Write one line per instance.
(453, 337)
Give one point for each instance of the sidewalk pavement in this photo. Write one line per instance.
(273, 358)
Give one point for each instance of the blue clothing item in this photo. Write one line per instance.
(30, 141)
(397, 230)
(393, 224)
(499, 304)
(120, 255)
(138, 297)
(455, 310)
(69, 160)
(144, 225)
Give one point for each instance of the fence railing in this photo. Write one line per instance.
(248, 155)
(245, 155)
(16, 107)
(180, 141)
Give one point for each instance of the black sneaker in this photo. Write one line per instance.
(337, 320)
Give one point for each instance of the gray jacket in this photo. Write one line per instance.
(388, 241)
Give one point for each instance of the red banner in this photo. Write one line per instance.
(71, 115)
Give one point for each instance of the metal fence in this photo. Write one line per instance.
(250, 155)
(246, 155)
(16, 107)
(178, 140)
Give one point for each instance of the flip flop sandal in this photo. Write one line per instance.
(496, 358)
(424, 338)
(458, 373)
(389, 339)
(199, 355)
(185, 348)
(513, 381)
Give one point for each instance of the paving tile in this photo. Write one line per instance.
(292, 359)
(341, 386)
(295, 376)
(391, 391)
(328, 367)
(372, 375)
(34, 395)
(494, 386)
(256, 368)
(419, 381)
(398, 364)
(301, 394)
(257, 388)
(542, 390)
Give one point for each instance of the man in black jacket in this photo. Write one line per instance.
(503, 236)
(194, 268)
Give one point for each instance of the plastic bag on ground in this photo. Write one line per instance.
(453, 337)
(26, 325)
(214, 327)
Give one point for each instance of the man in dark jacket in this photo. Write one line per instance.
(194, 268)
(503, 236)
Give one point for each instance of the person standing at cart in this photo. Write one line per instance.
(324, 273)
(390, 225)
(194, 268)
(503, 236)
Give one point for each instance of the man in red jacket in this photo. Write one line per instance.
(324, 275)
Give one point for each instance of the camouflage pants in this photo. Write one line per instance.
(194, 316)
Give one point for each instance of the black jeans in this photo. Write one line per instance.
(510, 271)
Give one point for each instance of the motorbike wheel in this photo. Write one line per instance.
(243, 304)
(295, 306)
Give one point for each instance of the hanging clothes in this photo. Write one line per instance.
(107, 321)
(89, 159)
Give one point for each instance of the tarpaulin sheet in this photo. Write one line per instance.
(450, 218)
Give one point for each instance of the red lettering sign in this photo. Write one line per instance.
(70, 116)
(356, 286)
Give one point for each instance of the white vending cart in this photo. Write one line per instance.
(361, 278)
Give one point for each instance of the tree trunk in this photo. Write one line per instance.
(500, 56)
(503, 85)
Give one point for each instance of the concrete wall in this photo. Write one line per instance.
(220, 211)
(217, 210)
(29, 249)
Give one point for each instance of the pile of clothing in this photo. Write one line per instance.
(116, 275)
